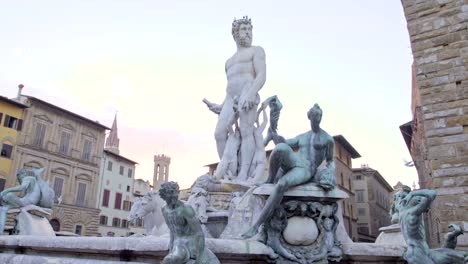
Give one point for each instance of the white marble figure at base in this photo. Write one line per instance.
(243, 211)
(148, 207)
(32, 221)
(227, 167)
(198, 200)
(256, 172)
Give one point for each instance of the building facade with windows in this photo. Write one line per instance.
(373, 200)
(69, 147)
(116, 190)
(116, 194)
(11, 123)
(344, 153)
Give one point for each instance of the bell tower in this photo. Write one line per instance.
(161, 170)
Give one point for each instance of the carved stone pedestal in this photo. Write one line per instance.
(304, 226)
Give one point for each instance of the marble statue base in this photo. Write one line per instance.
(390, 235)
(306, 224)
(144, 250)
(32, 220)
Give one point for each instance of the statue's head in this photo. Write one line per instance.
(23, 173)
(242, 31)
(398, 196)
(401, 193)
(315, 115)
(169, 192)
(328, 224)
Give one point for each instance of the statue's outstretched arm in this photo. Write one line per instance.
(24, 185)
(215, 108)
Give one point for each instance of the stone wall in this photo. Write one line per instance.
(69, 216)
(439, 41)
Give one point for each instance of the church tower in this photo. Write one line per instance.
(161, 170)
(112, 141)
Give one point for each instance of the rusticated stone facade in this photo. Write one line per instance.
(70, 216)
(439, 39)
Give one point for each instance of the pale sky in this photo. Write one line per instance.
(154, 61)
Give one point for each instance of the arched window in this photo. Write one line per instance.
(55, 224)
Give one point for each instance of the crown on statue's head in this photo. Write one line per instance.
(243, 20)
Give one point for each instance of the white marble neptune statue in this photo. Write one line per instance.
(246, 75)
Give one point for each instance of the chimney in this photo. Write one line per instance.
(20, 88)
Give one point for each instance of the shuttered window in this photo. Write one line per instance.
(87, 150)
(64, 143)
(10, 122)
(105, 198)
(81, 194)
(118, 201)
(19, 127)
(39, 135)
(58, 186)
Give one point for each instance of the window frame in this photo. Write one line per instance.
(78, 201)
(10, 122)
(39, 134)
(86, 154)
(118, 202)
(106, 199)
(103, 220)
(65, 140)
(61, 186)
(6, 151)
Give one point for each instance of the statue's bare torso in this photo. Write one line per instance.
(240, 71)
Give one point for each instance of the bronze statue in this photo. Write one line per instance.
(187, 241)
(289, 168)
(411, 208)
(397, 197)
